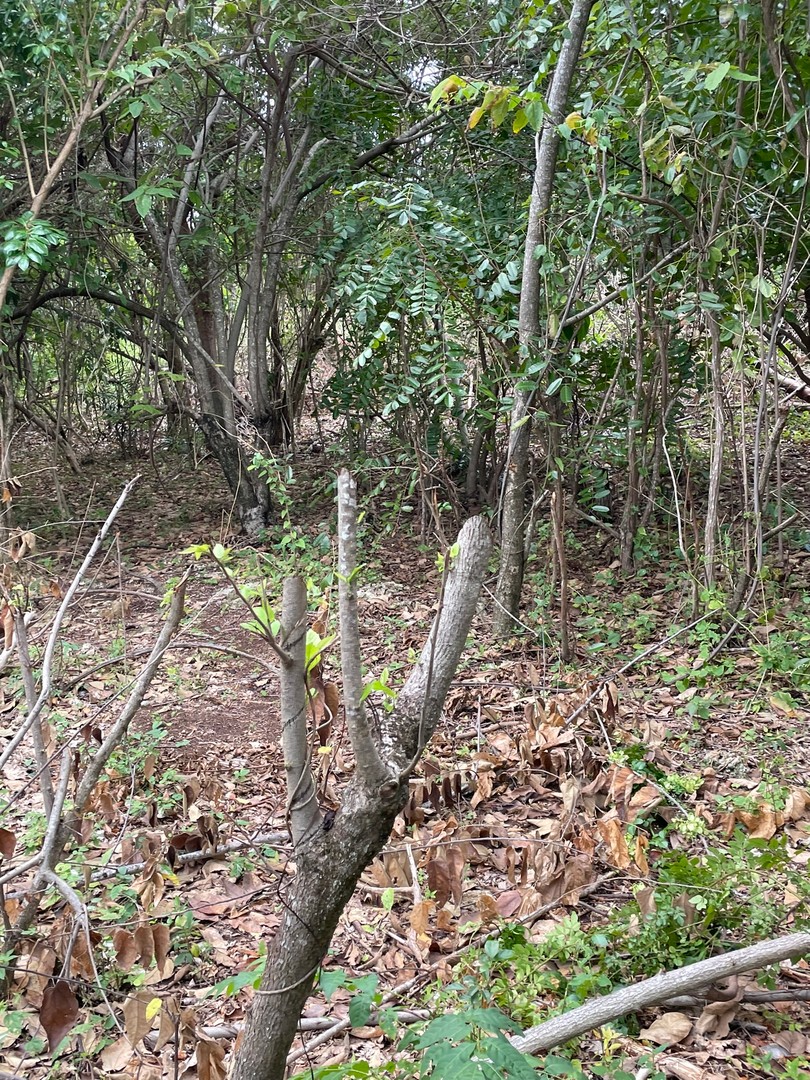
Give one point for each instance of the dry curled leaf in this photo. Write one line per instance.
(59, 1012)
(8, 842)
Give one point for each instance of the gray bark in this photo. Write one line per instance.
(629, 999)
(329, 861)
(367, 758)
(513, 515)
(302, 804)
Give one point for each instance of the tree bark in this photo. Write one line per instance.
(686, 980)
(513, 515)
(330, 860)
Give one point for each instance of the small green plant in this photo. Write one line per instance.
(785, 659)
(249, 976)
(472, 1045)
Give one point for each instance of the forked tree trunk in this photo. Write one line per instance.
(330, 856)
(513, 514)
(251, 498)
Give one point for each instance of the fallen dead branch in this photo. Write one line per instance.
(668, 984)
(749, 997)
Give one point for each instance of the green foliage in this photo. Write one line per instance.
(365, 997)
(27, 242)
(470, 1045)
(697, 907)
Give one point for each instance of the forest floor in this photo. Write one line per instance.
(518, 813)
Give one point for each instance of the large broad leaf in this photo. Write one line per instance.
(510, 1061)
(714, 78)
(454, 1061)
(59, 1012)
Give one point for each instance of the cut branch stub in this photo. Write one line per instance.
(302, 804)
(369, 766)
(408, 729)
(329, 862)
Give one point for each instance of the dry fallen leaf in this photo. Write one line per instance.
(671, 1028)
(611, 832)
(59, 1012)
(8, 841)
(115, 1056)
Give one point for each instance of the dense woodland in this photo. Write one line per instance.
(404, 539)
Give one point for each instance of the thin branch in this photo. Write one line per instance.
(47, 662)
(302, 805)
(632, 663)
(616, 293)
(267, 633)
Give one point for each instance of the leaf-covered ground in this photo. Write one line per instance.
(664, 800)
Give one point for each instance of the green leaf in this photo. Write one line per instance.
(558, 1066)
(795, 119)
(363, 1001)
(251, 976)
(740, 156)
(197, 550)
(535, 110)
(452, 1062)
(330, 981)
(714, 78)
(742, 76)
(135, 108)
(510, 1061)
(315, 647)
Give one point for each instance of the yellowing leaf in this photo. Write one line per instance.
(153, 1008)
(519, 121)
(573, 121)
(475, 117)
(446, 89)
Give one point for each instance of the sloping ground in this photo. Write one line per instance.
(546, 795)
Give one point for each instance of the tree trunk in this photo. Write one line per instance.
(513, 516)
(330, 857)
(251, 499)
(718, 446)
